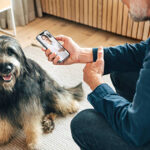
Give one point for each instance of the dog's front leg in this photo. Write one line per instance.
(6, 131)
(32, 117)
(33, 131)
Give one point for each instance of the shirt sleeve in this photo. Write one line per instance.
(124, 58)
(130, 120)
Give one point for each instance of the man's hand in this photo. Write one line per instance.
(93, 71)
(77, 54)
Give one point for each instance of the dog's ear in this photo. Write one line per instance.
(26, 67)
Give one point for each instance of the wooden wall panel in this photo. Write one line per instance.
(109, 15)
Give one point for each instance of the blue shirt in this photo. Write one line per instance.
(130, 120)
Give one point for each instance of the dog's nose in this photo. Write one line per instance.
(7, 69)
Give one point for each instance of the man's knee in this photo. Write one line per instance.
(88, 117)
(80, 118)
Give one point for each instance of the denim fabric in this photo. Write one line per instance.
(91, 131)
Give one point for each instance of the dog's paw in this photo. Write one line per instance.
(74, 107)
(48, 123)
(32, 146)
(5, 141)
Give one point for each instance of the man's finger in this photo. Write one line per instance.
(51, 57)
(48, 52)
(43, 49)
(61, 38)
(56, 59)
(85, 67)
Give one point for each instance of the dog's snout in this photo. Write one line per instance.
(6, 68)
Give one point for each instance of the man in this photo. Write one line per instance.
(118, 121)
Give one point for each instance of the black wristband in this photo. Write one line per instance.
(95, 50)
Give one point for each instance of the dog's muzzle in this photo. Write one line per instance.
(6, 72)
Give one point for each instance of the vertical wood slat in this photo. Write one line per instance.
(129, 27)
(77, 10)
(69, 9)
(82, 11)
(65, 9)
(134, 29)
(43, 5)
(90, 12)
(50, 7)
(125, 20)
(109, 15)
(54, 7)
(115, 15)
(57, 8)
(146, 30)
(86, 11)
(95, 13)
(120, 17)
(73, 12)
(104, 15)
(100, 12)
(46, 6)
(140, 30)
(61, 8)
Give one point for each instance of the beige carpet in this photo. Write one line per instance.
(60, 138)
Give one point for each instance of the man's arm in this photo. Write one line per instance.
(114, 56)
(130, 120)
(125, 58)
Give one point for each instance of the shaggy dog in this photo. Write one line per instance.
(29, 98)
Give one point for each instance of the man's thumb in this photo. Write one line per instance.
(100, 54)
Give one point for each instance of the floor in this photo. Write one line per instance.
(85, 36)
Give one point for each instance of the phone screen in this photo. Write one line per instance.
(49, 42)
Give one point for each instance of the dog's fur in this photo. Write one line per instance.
(29, 95)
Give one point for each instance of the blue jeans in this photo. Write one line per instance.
(91, 131)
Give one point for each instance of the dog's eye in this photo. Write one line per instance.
(10, 51)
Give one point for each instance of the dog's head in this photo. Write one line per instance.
(11, 61)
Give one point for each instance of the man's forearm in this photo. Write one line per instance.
(125, 58)
(86, 55)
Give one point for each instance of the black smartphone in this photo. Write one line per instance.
(49, 42)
